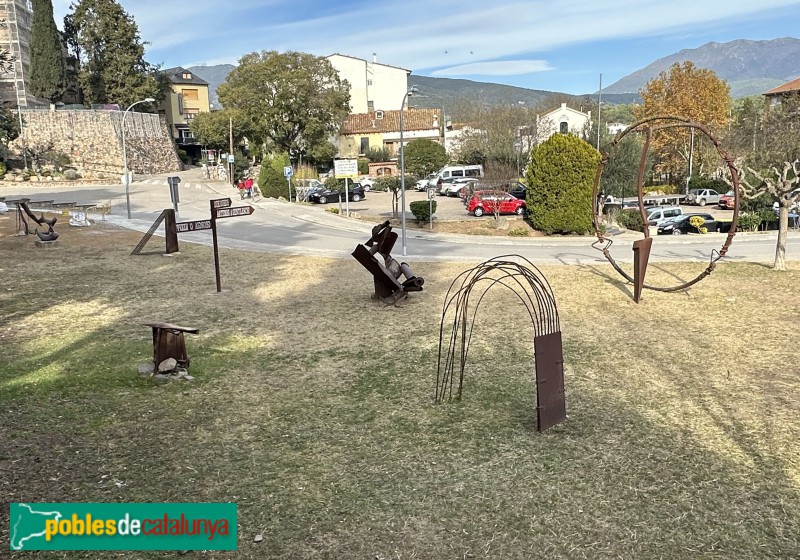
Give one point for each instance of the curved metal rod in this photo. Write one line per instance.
(527, 283)
(644, 125)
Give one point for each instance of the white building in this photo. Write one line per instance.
(563, 120)
(616, 128)
(373, 86)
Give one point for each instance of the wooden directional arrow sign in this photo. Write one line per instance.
(233, 212)
(197, 225)
(220, 203)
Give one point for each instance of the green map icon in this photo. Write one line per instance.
(28, 525)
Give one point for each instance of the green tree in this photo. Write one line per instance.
(294, 101)
(48, 72)
(423, 156)
(110, 55)
(560, 178)
(214, 129)
(691, 92)
(271, 181)
(9, 130)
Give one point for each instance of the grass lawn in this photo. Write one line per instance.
(312, 407)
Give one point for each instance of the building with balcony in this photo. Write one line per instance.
(188, 98)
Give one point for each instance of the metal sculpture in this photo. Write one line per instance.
(641, 248)
(24, 229)
(386, 276)
(533, 290)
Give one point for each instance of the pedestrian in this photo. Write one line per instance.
(248, 185)
(240, 186)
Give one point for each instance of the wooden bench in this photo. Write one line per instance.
(168, 343)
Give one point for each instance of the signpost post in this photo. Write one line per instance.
(220, 208)
(345, 169)
(288, 172)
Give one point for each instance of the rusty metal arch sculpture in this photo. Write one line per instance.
(533, 290)
(648, 126)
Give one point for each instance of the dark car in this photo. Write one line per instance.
(682, 224)
(355, 192)
(519, 191)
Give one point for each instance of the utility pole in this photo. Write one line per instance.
(599, 103)
(231, 165)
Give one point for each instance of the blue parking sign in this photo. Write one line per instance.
(288, 171)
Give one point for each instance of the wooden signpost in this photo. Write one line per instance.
(220, 208)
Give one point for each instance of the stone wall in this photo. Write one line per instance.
(93, 141)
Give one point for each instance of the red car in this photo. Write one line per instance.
(726, 201)
(486, 201)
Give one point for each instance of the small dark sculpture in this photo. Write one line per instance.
(386, 275)
(48, 235)
(533, 290)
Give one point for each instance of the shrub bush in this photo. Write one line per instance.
(423, 209)
(387, 184)
(560, 178)
(271, 181)
(519, 231)
(71, 174)
(748, 221)
(631, 220)
(3, 169)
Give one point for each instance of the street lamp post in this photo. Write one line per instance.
(411, 91)
(518, 148)
(125, 153)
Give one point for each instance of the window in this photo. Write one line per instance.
(186, 134)
(672, 213)
(472, 173)
(189, 94)
(458, 173)
(369, 82)
(187, 76)
(564, 127)
(189, 114)
(370, 105)
(364, 145)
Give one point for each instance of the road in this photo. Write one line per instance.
(278, 226)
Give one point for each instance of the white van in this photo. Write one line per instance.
(657, 215)
(475, 171)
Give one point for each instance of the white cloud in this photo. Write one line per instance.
(495, 68)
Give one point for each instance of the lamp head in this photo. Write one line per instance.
(149, 100)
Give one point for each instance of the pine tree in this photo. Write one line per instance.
(48, 72)
(112, 68)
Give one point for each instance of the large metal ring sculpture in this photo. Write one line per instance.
(648, 126)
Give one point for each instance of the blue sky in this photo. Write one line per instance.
(556, 45)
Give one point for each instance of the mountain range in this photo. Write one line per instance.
(750, 68)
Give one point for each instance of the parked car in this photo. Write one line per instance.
(726, 201)
(486, 201)
(355, 192)
(701, 197)
(422, 184)
(367, 183)
(656, 215)
(457, 186)
(519, 190)
(681, 224)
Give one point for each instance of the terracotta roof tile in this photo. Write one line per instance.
(413, 119)
(788, 87)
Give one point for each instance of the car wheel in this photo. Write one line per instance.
(676, 231)
(519, 211)
(366, 188)
(356, 197)
(478, 212)
(702, 202)
(322, 200)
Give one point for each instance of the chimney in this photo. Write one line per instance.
(374, 58)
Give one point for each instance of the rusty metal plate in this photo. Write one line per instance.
(641, 254)
(551, 406)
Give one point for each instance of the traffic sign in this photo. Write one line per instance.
(220, 203)
(288, 171)
(431, 193)
(230, 158)
(197, 225)
(233, 212)
(345, 168)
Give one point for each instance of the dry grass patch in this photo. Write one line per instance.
(312, 407)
